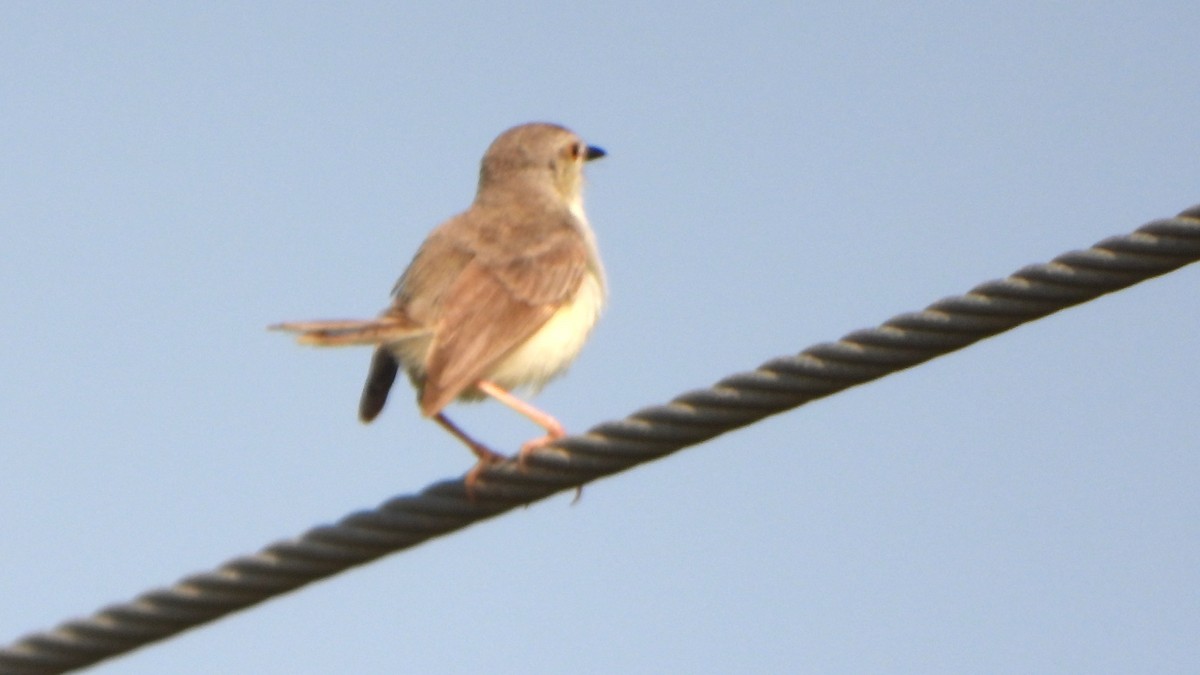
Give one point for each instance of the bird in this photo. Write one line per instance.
(500, 297)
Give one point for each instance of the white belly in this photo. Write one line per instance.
(551, 350)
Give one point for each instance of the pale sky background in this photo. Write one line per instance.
(176, 176)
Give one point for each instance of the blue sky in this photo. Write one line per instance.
(178, 176)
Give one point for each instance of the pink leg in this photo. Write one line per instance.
(484, 454)
(554, 430)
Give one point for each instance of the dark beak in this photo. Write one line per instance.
(593, 153)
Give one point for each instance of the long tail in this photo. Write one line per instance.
(349, 332)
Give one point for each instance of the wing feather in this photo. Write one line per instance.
(492, 308)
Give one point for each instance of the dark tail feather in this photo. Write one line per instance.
(379, 381)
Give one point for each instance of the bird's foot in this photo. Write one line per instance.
(530, 447)
(486, 458)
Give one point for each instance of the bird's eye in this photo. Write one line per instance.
(576, 150)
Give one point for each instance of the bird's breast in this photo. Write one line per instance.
(555, 345)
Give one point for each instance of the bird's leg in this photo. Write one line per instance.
(484, 454)
(554, 430)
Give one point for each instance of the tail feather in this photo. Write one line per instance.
(380, 377)
(344, 333)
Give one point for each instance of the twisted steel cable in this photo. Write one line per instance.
(778, 385)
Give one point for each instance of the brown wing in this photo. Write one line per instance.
(494, 306)
(421, 292)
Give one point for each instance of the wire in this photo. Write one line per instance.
(736, 401)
